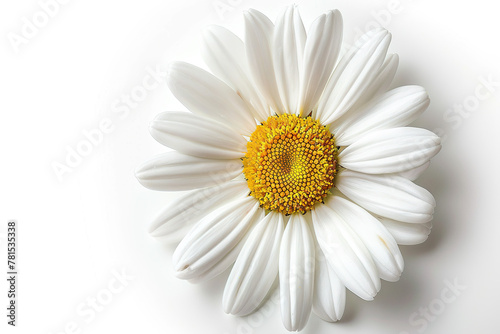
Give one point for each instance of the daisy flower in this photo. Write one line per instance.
(299, 167)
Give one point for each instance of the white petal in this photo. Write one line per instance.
(204, 94)
(256, 268)
(382, 246)
(228, 259)
(288, 48)
(329, 292)
(396, 108)
(352, 77)
(296, 273)
(384, 77)
(381, 82)
(345, 252)
(258, 41)
(211, 239)
(224, 53)
(187, 209)
(173, 171)
(391, 150)
(197, 136)
(320, 55)
(388, 196)
(414, 173)
(407, 234)
(379, 85)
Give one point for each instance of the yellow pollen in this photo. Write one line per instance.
(290, 163)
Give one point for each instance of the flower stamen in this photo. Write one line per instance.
(290, 163)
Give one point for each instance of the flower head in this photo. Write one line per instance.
(299, 166)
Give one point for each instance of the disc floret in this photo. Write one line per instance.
(290, 163)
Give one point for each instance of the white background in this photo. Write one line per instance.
(77, 230)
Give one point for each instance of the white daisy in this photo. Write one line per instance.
(299, 167)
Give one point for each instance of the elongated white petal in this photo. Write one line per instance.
(229, 258)
(414, 173)
(407, 234)
(380, 84)
(259, 31)
(204, 94)
(288, 48)
(396, 108)
(388, 196)
(329, 292)
(224, 53)
(187, 209)
(211, 239)
(391, 150)
(345, 252)
(173, 171)
(197, 136)
(320, 56)
(384, 77)
(256, 267)
(296, 273)
(352, 77)
(381, 244)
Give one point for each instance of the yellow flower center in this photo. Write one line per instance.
(290, 163)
